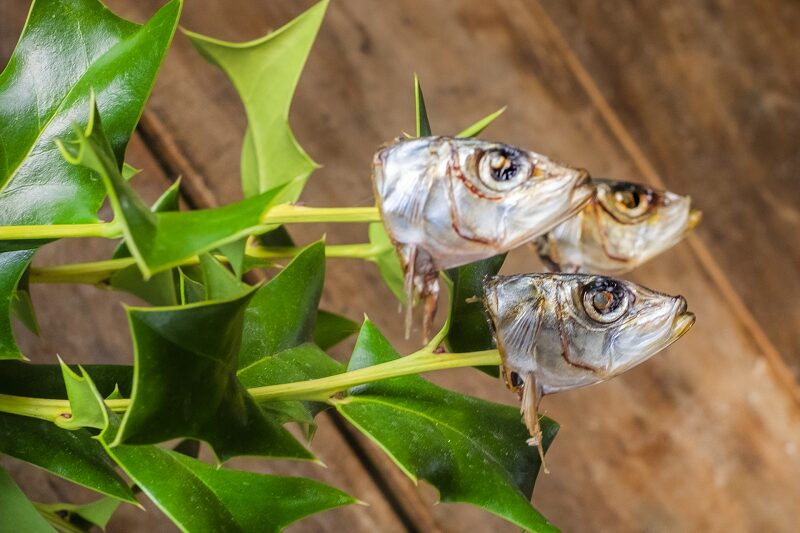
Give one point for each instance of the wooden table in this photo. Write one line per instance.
(703, 98)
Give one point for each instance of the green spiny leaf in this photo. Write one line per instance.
(423, 125)
(469, 327)
(282, 313)
(168, 201)
(72, 455)
(331, 329)
(220, 283)
(17, 511)
(388, 263)
(471, 450)
(22, 304)
(161, 288)
(265, 73)
(68, 49)
(159, 241)
(200, 497)
(129, 171)
(12, 267)
(98, 512)
(47, 381)
(191, 290)
(185, 383)
(234, 252)
(482, 124)
(300, 363)
(85, 410)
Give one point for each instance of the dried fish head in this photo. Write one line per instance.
(446, 202)
(625, 225)
(558, 332)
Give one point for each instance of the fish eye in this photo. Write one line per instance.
(501, 168)
(631, 199)
(605, 300)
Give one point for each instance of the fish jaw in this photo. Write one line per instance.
(695, 216)
(657, 329)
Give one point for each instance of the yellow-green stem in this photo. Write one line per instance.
(289, 214)
(109, 230)
(280, 214)
(322, 389)
(98, 271)
(316, 389)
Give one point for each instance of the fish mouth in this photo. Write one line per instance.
(683, 322)
(695, 216)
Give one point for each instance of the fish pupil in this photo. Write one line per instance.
(628, 199)
(603, 300)
(503, 169)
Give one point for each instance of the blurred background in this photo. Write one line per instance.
(702, 98)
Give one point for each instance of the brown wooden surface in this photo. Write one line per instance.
(702, 97)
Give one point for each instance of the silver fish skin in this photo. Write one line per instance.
(446, 202)
(625, 225)
(557, 332)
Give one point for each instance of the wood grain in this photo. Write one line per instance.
(703, 437)
(670, 446)
(709, 92)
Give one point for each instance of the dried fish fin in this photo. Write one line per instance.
(431, 297)
(408, 256)
(421, 282)
(521, 328)
(531, 396)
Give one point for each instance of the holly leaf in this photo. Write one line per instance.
(469, 329)
(187, 356)
(72, 455)
(159, 241)
(234, 252)
(46, 381)
(17, 510)
(66, 51)
(265, 73)
(423, 125)
(470, 450)
(300, 363)
(220, 283)
(161, 288)
(387, 261)
(22, 304)
(201, 497)
(478, 127)
(12, 267)
(191, 290)
(83, 516)
(282, 313)
(168, 201)
(331, 329)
